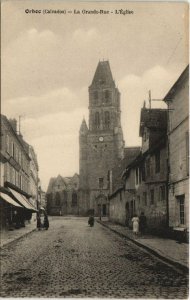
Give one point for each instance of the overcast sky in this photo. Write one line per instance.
(48, 62)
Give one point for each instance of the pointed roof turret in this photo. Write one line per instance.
(103, 75)
(83, 127)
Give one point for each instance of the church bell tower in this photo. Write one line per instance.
(101, 144)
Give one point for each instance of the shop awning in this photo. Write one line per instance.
(8, 199)
(22, 199)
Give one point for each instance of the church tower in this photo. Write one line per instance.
(101, 145)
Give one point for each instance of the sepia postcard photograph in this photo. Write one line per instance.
(94, 154)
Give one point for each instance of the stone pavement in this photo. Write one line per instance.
(74, 260)
(170, 250)
(7, 237)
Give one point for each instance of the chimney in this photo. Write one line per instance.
(13, 123)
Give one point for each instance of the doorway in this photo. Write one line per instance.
(104, 210)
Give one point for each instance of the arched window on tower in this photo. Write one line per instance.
(107, 95)
(64, 197)
(97, 120)
(57, 199)
(74, 199)
(95, 96)
(107, 119)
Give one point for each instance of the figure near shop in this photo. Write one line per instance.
(135, 221)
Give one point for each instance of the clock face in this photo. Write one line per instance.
(101, 138)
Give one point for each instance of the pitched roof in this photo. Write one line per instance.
(68, 182)
(50, 185)
(117, 172)
(83, 127)
(174, 88)
(153, 118)
(103, 74)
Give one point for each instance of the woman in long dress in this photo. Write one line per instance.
(135, 221)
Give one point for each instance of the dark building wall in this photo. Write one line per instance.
(63, 196)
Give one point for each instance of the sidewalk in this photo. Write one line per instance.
(7, 237)
(168, 250)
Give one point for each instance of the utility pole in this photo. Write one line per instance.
(149, 92)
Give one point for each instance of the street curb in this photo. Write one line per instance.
(153, 252)
(16, 239)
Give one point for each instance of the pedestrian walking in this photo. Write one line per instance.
(142, 223)
(39, 225)
(46, 222)
(135, 221)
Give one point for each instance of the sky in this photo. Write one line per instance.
(49, 60)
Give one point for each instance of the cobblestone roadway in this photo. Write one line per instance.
(74, 260)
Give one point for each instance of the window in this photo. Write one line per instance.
(20, 157)
(97, 120)
(187, 151)
(162, 193)
(145, 136)
(13, 150)
(157, 162)
(131, 208)
(20, 181)
(8, 172)
(64, 197)
(57, 199)
(143, 172)
(137, 176)
(107, 95)
(101, 183)
(7, 144)
(148, 167)
(16, 153)
(11, 174)
(181, 200)
(95, 95)
(140, 175)
(145, 198)
(107, 119)
(74, 199)
(151, 196)
(134, 206)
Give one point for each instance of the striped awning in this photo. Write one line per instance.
(8, 199)
(22, 199)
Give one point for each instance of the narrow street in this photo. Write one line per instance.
(72, 259)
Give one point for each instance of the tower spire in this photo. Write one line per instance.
(103, 74)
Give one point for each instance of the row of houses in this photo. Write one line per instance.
(20, 193)
(156, 181)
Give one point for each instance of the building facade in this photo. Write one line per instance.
(15, 205)
(33, 179)
(101, 144)
(15, 157)
(145, 178)
(119, 194)
(62, 196)
(177, 100)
